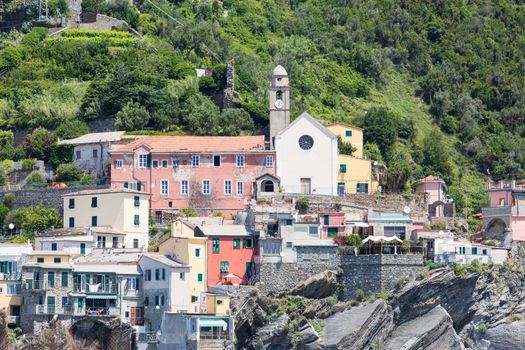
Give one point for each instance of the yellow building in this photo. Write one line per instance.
(10, 299)
(355, 174)
(191, 251)
(217, 301)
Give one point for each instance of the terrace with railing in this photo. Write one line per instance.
(505, 185)
(148, 337)
(10, 276)
(108, 288)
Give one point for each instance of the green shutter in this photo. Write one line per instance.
(148, 160)
(139, 186)
(126, 184)
(326, 219)
(199, 277)
(236, 243)
(348, 133)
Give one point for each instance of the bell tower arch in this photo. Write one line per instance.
(279, 102)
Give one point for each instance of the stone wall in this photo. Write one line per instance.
(51, 198)
(377, 273)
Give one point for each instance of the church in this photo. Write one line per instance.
(305, 151)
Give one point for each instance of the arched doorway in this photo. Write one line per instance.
(496, 229)
(267, 186)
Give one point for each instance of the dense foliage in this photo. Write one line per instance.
(438, 86)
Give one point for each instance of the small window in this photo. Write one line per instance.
(240, 161)
(289, 222)
(289, 245)
(195, 161)
(65, 301)
(219, 302)
(362, 188)
(146, 301)
(227, 187)
(312, 230)
(236, 243)
(199, 277)
(94, 221)
(170, 204)
(165, 163)
(135, 243)
(147, 275)
(157, 274)
(206, 187)
(71, 203)
(474, 251)
(225, 267)
(57, 260)
(39, 260)
(94, 202)
(71, 222)
(115, 242)
(342, 168)
(136, 201)
(194, 298)
(197, 252)
(78, 155)
(65, 278)
(174, 163)
(182, 276)
(216, 245)
(348, 133)
(118, 164)
(163, 274)
(143, 160)
(485, 252)
(268, 161)
(247, 243)
(155, 164)
(216, 161)
(164, 187)
(95, 153)
(184, 187)
(54, 246)
(136, 220)
(240, 188)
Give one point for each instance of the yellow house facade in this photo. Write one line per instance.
(218, 303)
(355, 173)
(10, 298)
(191, 251)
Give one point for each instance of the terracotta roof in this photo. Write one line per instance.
(430, 178)
(104, 191)
(164, 144)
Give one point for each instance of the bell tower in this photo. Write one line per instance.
(279, 102)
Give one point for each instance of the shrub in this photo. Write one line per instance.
(3, 213)
(302, 204)
(133, 116)
(361, 294)
(69, 172)
(28, 164)
(35, 219)
(405, 246)
(39, 143)
(72, 128)
(189, 212)
(354, 240)
(10, 200)
(341, 240)
(217, 214)
(35, 177)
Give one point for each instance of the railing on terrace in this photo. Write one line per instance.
(148, 337)
(503, 185)
(102, 311)
(384, 250)
(9, 276)
(34, 284)
(215, 335)
(132, 293)
(498, 211)
(111, 288)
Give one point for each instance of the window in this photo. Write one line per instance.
(288, 222)
(64, 279)
(197, 252)
(78, 155)
(132, 283)
(136, 220)
(289, 245)
(39, 260)
(326, 220)
(225, 267)
(195, 161)
(216, 245)
(247, 243)
(399, 231)
(135, 243)
(461, 250)
(53, 246)
(164, 187)
(239, 161)
(332, 231)
(146, 301)
(194, 298)
(82, 248)
(71, 203)
(118, 164)
(485, 252)
(312, 230)
(40, 300)
(219, 302)
(144, 160)
(227, 187)
(182, 276)
(159, 300)
(236, 243)
(348, 133)
(174, 163)
(170, 204)
(268, 161)
(155, 164)
(362, 188)
(94, 221)
(157, 274)
(57, 260)
(216, 161)
(474, 251)
(95, 153)
(136, 200)
(184, 187)
(12, 289)
(199, 277)
(147, 275)
(101, 241)
(240, 188)
(71, 222)
(165, 163)
(206, 187)
(50, 279)
(342, 168)
(115, 242)
(94, 202)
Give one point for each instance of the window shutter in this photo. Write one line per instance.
(139, 186)
(148, 160)
(163, 274)
(244, 243)
(133, 321)
(126, 184)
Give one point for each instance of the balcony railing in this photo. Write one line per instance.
(34, 285)
(132, 293)
(214, 335)
(148, 337)
(9, 276)
(102, 311)
(109, 288)
(497, 211)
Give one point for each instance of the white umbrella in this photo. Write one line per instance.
(376, 239)
(231, 275)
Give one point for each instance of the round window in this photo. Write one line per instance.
(306, 142)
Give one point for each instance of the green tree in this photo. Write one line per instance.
(35, 177)
(69, 172)
(39, 143)
(345, 147)
(34, 219)
(436, 155)
(201, 116)
(381, 128)
(234, 122)
(133, 116)
(71, 128)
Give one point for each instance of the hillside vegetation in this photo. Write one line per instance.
(438, 85)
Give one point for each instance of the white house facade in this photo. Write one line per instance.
(306, 157)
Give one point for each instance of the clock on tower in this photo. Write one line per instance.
(279, 102)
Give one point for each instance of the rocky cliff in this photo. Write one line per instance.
(472, 307)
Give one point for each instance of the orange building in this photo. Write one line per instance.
(231, 249)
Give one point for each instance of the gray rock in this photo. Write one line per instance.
(274, 335)
(317, 287)
(308, 339)
(432, 331)
(509, 336)
(359, 326)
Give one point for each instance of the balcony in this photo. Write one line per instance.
(10, 276)
(148, 337)
(102, 311)
(107, 288)
(36, 285)
(132, 293)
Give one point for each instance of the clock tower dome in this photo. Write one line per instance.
(279, 102)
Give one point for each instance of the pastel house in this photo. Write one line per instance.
(332, 224)
(440, 204)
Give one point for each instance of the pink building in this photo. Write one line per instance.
(207, 173)
(332, 224)
(440, 205)
(504, 221)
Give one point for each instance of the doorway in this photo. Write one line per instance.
(306, 185)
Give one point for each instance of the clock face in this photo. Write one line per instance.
(279, 104)
(306, 142)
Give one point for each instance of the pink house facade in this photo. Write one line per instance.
(206, 173)
(440, 205)
(504, 221)
(332, 224)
